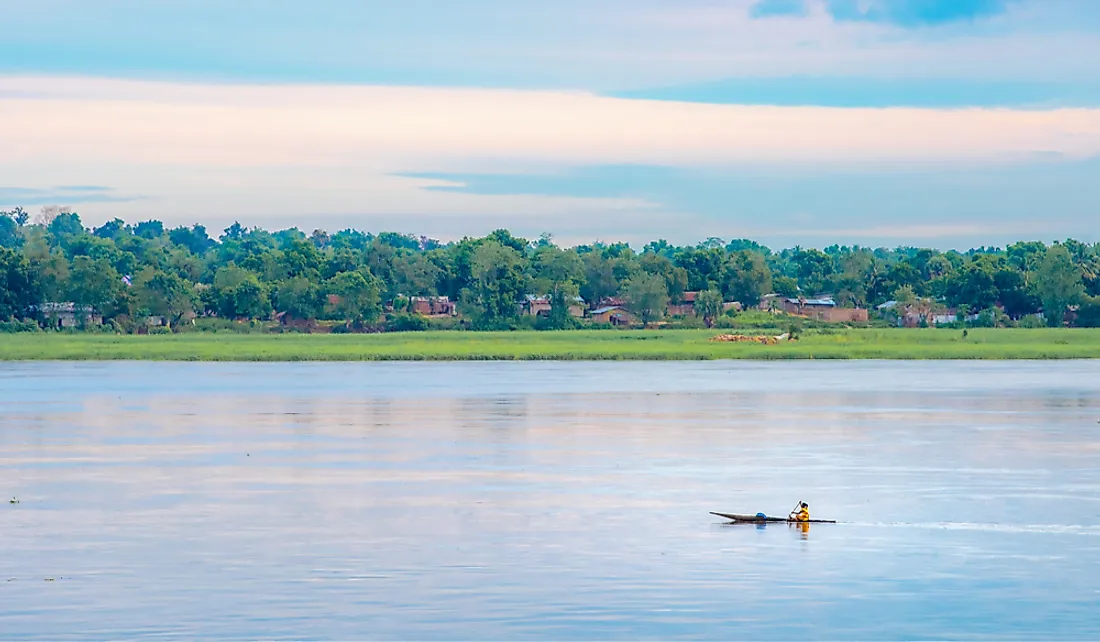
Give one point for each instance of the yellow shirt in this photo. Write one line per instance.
(803, 515)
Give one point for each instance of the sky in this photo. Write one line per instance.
(941, 123)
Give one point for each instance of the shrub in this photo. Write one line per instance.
(447, 323)
(216, 324)
(689, 323)
(991, 318)
(545, 323)
(15, 325)
(107, 327)
(592, 325)
(407, 323)
(1031, 321)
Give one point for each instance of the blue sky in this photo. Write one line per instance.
(938, 122)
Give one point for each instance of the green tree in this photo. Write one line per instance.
(163, 294)
(746, 278)
(184, 264)
(702, 267)
(1026, 256)
(341, 259)
(234, 232)
(1087, 258)
(558, 274)
(94, 283)
(676, 278)
(902, 274)
(238, 294)
(415, 275)
(937, 266)
(648, 296)
(66, 225)
(357, 297)
(1013, 292)
(194, 238)
(112, 229)
(599, 279)
(9, 231)
(972, 285)
(505, 238)
(861, 278)
(785, 286)
(709, 305)
(813, 268)
(905, 295)
(499, 287)
(299, 298)
(21, 216)
(49, 265)
(301, 258)
(149, 230)
(1059, 284)
(382, 258)
(20, 290)
(1088, 315)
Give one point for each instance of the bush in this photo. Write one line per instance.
(547, 324)
(160, 329)
(107, 327)
(447, 323)
(1088, 314)
(991, 318)
(985, 320)
(689, 323)
(15, 325)
(215, 324)
(592, 325)
(407, 323)
(1031, 321)
(760, 319)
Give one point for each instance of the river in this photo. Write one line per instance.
(549, 500)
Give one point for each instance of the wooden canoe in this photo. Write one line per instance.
(756, 519)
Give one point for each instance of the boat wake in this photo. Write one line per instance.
(1051, 529)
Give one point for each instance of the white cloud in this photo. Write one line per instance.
(290, 153)
(413, 127)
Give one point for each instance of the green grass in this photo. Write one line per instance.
(575, 345)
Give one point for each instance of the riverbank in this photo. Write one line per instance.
(572, 345)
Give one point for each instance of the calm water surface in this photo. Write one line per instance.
(549, 500)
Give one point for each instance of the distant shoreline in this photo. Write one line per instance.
(595, 345)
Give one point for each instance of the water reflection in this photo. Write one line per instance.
(510, 501)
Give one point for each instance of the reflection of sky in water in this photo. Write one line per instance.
(542, 500)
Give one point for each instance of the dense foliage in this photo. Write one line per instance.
(125, 272)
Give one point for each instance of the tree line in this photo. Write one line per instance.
(126, 272)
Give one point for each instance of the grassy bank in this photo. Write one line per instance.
(577, 345)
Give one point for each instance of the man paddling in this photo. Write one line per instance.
(801, 513)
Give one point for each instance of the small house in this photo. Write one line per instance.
(686, 306)
(70, 315)
(433, 306)
(540, 306)
(612, 315)
(823, 308)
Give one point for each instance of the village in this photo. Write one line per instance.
(613, 311)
